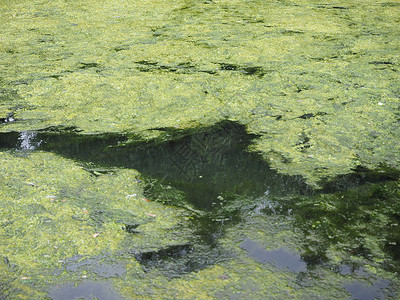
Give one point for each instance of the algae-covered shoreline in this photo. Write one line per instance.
(314, 85)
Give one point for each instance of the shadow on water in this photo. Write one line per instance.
(203, 163)
(210, 172)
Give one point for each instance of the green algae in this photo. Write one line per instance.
(131, 67)
(317, 84)
(48, 215)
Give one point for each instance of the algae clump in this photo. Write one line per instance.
(52, 210)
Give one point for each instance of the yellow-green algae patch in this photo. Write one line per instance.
(48, 215)
(284, 69)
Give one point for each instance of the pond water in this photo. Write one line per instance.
(221, 149)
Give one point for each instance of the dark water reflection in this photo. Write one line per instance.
(203, 163)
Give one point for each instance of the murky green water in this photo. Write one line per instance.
(199, 149)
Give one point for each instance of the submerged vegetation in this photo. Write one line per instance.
(199, 149)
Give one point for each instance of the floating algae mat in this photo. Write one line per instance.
(221, 149)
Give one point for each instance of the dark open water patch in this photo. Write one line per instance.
(377, 289)
(102, 266)
(87, 290)
(281, 258)
(175, 260)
